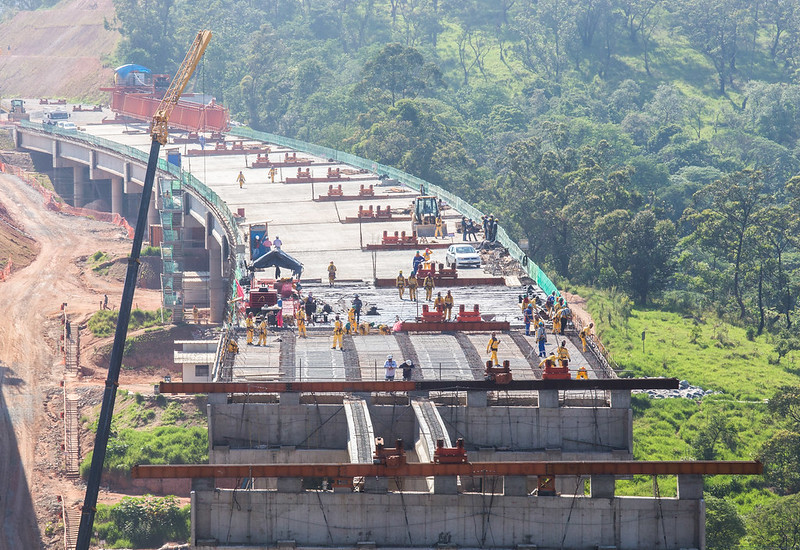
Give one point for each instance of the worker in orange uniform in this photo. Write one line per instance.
(585, 334)
(582, 374)
(240, 179)
(262, 332)
(448, 304)
(439, 224)
(351, 322)
(301, 322)
(401, 284)
(491, 348)
(331, 273)
(428, 284)
(338, 333)
(438, 303)
(251, 327)
(563, 353)
(413, 283)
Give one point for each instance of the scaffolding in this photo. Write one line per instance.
(171, 212)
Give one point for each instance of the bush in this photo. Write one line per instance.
(151, 251)
(143, 522)
(164, 445)
(104, 322)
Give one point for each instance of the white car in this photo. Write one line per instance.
(462, 255)
(68, 126)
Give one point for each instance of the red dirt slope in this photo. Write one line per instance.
(58, 52)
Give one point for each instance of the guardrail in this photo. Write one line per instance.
(459, 204)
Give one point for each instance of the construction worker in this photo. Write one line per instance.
(413, 283)
(338, 332)
(351, 321)
(384, 329)
(390, 366)
(582, 374)
(272, 173)
(357, 305)
(363, 328)
(240, 179)
(301, 322)
(416, 262)
(428, 284)
(527, 317)
(438, 303)
(491, 348)
(233, 347)
(551, 300)
(585, 334)
(251, 327)
(401, 284)
(556, 323)
(195, 315)
(448, 304)
(541, 338)
(563, 353)
(331, 273)
(548, 362)
(262, 332)
(438, 227)
(427, 258)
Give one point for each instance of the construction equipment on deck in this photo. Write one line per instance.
(17, 111)
(159, 134)
(424, 214)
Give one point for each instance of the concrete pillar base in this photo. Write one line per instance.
(603, 486)
(690, 487)
(515, 486)
(477, 399)
(290, 485)
(548, 399)
(445, 485)
(620, 399)
(78, 186)
(117, 196)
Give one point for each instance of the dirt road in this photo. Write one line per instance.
(30, 363)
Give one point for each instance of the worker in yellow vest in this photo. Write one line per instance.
(563, 353)
(240, 179)
(556, 323)
(585, 334)
(351, 321)
(301, 323)
(438, 303)
(338, 333)
(428, 284)
(401, 284)
(491, 348)
(272, 173)
(448, 304)
(413, 283)
(251, 327)
(331, 273)
(438, 227)
(262, 332)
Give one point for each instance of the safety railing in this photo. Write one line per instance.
(542, 280)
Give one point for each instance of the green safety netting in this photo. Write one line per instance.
(465, 208)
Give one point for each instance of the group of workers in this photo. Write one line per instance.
(241, 180)
(250, 323)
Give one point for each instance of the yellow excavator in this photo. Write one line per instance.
(158, 132)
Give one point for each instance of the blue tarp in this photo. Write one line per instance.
(125, 70)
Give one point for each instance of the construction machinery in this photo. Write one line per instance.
(159, 134)
(424, 214)
(17, 111)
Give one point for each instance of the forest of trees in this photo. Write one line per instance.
(650, 146)
(647, 145)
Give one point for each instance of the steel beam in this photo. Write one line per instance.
(567, 468)
(419, 385)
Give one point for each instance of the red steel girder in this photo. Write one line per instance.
(418, 385)
(566, 468)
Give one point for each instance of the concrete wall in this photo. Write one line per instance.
(569, 429)
(260, 519)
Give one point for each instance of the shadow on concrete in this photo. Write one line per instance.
(18, 526)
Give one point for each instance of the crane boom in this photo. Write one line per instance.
(179, 82)
(159, 137)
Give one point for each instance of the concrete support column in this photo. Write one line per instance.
(603, 486)
(79, 185)
(289, 398)
(152, 210)
(620, 399)
(477, 399)
(515, 486)
(376, 485)
(117, 196)
(290, 484)
(690, 487)
(445, 485)
(216, 284)
(202, 484)
(548, 399)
